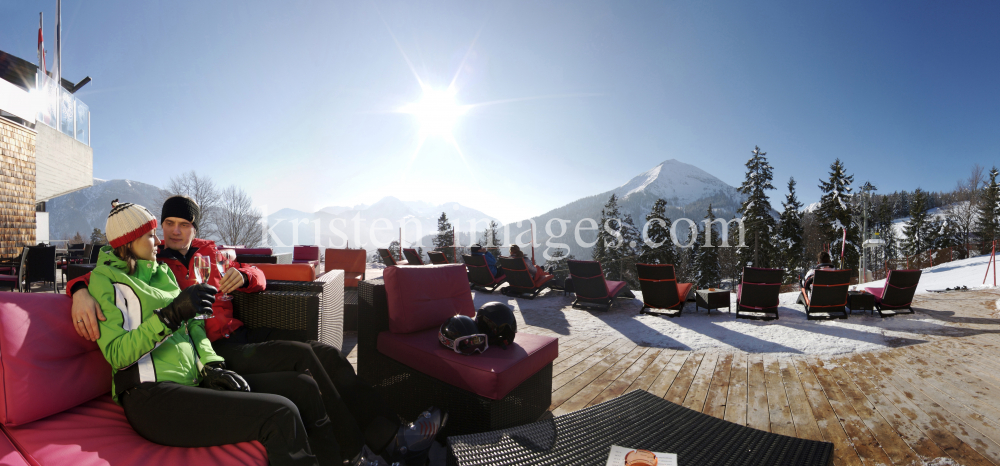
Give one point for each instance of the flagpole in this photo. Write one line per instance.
(58, 69)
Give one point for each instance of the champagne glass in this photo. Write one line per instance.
(222, 262)
(202, 271)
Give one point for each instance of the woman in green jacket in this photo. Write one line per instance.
(175, 390)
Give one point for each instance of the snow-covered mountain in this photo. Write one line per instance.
(82, 211)
(687, 189)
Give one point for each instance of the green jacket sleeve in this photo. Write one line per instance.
(120, 346)
(201, 342)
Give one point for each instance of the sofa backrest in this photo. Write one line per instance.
(305, 253)
(45, 367)
(424, 296)
(348, 260)
(294, 272)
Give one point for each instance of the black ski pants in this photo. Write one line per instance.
(358, 414)
(283, 412)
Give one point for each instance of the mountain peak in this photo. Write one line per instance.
(675, 181)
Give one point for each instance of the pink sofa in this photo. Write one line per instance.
(55, 400)
(306, 255)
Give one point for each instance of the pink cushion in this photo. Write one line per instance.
(45, 366)
(878, 292)
(308, 253)
(97, 433)
(614, 287)
(424, 296)
(9, 455)
(254, 251)
(492, 374)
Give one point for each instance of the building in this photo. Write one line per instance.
(44, 149)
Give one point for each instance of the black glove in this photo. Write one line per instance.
(215, 376)
(193, 300)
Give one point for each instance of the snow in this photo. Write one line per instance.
(966, 272)
(677, 182)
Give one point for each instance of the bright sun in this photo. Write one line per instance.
(436, 112)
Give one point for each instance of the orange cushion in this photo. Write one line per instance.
(348, 260)
(295, 272)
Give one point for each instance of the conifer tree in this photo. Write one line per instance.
(491, 238)
(658, 234)
(707, 254)
(835, 214)
(920, 230)
(790, 232)
(607, 249)
(756, 210)
(445, 239)
(395, 251)
(989, 213)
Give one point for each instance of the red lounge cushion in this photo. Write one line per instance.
(97, 433)
(294, 272)
(683, 290)
(9, 455)
(877, 292)
(313, 263)
(307, 253)
(351, 280)
(614, 287)
(45, 366)
(492, 374)
(424, 296)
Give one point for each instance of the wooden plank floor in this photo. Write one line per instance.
(932, 403)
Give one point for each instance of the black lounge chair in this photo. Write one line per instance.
(661, 291)
(519, 281)
(437, 258)
(480, 277)
(897, 294)
(387, 258)
(412, 257)
(591, 288)
(829, 295)
(758, 293)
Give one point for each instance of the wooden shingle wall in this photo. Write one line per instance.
(17, 188)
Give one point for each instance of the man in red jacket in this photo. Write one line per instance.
(349, 400)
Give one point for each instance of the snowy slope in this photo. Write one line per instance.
(966, 272)
(82, 211)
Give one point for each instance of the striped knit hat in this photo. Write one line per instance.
(127, 222)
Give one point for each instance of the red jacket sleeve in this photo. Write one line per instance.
(69, 286)
(255, 277)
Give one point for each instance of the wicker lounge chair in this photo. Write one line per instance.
(437, 257)
(591, 288)
(758, 293)
(412, 257)
(519, 280)
(897, 294)
(661, 291)
(829, 295)
(398, 353)
(637, 419)
(480, 276)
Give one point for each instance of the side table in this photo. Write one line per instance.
(712, 299)
(860, 301)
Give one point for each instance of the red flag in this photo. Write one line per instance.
(41, 46)
(843, 243)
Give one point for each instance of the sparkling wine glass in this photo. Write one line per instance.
(222, 262)
(202, 270)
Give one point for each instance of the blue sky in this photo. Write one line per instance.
(298, 101)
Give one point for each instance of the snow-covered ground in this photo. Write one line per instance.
(719, 331)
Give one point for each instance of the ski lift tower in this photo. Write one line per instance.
(867, 242)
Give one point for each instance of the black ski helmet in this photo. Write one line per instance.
(459, 333)
(496, 321)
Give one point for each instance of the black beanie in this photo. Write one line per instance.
(181, 207)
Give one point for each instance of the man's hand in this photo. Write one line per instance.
(86, 313)
(231, 281)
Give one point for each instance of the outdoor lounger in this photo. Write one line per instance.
(387, 258)
(591, 288)
(660, 290)
(519, 280)
(412, 257)
(480, 276)
(829, 295)
(437, 257)
(897, 294)
(758, 293)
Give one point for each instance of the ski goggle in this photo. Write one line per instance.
(466, 345)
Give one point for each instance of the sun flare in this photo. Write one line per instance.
(436, 112)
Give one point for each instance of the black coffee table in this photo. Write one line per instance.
(635, 420)
(709, 300)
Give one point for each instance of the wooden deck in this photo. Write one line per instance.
(931, 403)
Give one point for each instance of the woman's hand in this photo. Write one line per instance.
(86, 313)
(217, 377)
(231, 281)
(193, 300)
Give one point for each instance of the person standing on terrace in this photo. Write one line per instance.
(359, 415)
(173, 387)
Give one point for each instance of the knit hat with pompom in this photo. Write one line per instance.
(128, 222)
